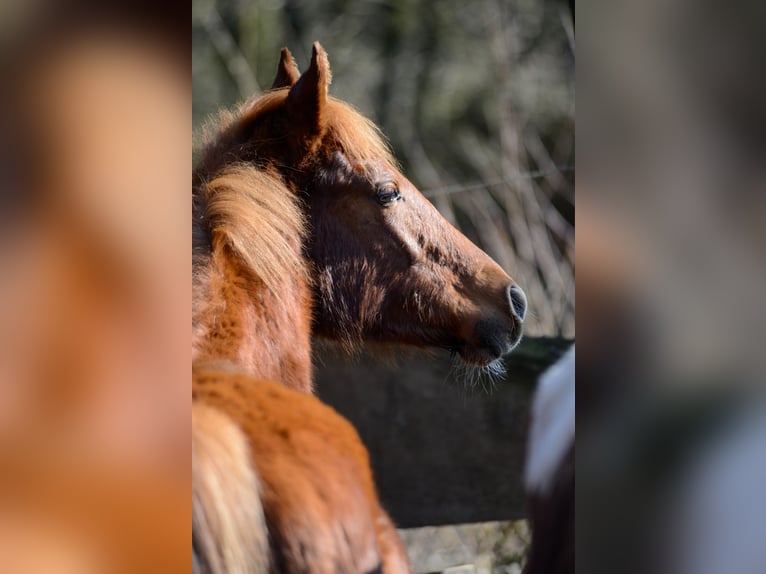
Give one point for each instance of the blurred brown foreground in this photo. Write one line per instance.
(94, 292)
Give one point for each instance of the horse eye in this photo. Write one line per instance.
(388, 194)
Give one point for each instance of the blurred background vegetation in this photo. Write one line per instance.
(477, 99)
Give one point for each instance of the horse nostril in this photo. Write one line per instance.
(518, 301)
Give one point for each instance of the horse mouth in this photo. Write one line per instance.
(483, 356)
(489, 346)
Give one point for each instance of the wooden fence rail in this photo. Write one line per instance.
(442, 453)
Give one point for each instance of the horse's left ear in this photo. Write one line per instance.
(287, 71)
(307, 100)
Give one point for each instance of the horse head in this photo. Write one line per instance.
(386, 266)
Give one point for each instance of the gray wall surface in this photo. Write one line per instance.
(442, 453)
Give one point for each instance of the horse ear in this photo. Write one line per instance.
(287, 71)
(307, 100)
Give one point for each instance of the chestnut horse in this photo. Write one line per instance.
(303, 225)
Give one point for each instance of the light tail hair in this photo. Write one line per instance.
(229, 534)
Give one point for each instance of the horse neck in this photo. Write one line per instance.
(237, 319)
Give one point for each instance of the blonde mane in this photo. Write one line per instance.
(252, 212)
(250, 208)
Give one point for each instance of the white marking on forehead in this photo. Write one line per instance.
(553, 423)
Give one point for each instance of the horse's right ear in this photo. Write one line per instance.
(287, 71)
(307, 100)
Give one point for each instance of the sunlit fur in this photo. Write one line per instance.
(318, 498)
(226, 494)
(356, 135)
(250, 210)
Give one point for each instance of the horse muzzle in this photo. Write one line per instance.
(498, 334)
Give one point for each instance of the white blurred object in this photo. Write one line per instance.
(553, 424)
(720, 519)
